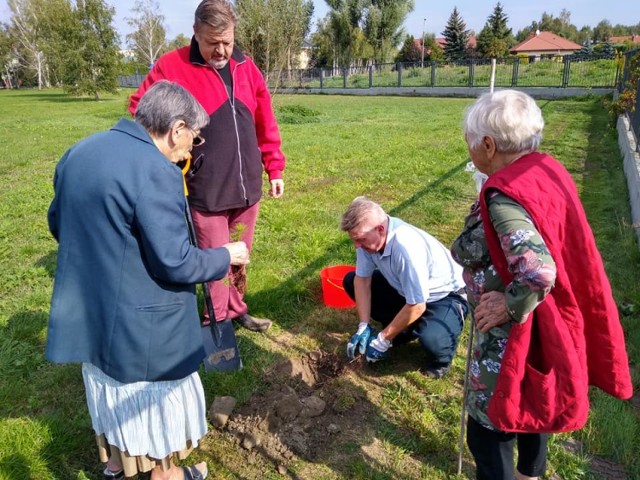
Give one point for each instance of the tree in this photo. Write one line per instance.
(92, 63)
(322, 55)
(8, 60)
(585, 35)
(496, 38)
(344, 26)
(178, 42)
(149, 34)
(57, 25)
(410, 51)
(548, 23)
(26, 30)
(383, 25)
(585, 52)
(456, 36)
(432, 49)
(271, 31)
(602, 31)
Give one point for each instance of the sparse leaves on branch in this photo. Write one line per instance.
(148, 38)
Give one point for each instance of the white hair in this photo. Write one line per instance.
(510, 117)
(362, 210)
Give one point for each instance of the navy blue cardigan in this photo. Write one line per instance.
(124, 295)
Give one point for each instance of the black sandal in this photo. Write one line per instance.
(109, 475)
(192, 473)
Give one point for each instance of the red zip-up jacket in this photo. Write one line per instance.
(242, 138)
(573, 339)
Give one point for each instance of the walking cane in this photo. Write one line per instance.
(464, 394)
(219, 341)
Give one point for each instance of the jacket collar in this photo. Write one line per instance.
(133, 129)
(196, 58)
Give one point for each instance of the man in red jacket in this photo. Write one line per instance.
(242, 141)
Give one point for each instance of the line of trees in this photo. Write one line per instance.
(55, 42)
(496, 38)
(73, 43)
(359, 32)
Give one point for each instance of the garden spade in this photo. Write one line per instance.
(218, 338)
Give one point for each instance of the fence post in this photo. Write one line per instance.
(565, 73)
(344, 78)
(471, 71)
(370, 76)
(514, 75)
(399, 66)
(433, 73)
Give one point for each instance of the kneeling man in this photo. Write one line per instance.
(407, 281)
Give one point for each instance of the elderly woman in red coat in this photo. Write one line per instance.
(546, 323)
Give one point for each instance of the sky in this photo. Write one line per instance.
(428, 16)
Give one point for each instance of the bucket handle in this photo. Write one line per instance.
(328, 280)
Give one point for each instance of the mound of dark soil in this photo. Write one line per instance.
(303, 412)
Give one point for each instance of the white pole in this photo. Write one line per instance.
(422, 44)
(464, 393)
(493, 75)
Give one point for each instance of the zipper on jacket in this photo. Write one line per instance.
(235, 125)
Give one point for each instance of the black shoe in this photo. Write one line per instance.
(109, 475)
(254, 324)
(436, 372)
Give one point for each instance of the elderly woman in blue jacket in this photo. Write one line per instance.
(124, 301)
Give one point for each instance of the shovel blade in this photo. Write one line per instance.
(222, 355)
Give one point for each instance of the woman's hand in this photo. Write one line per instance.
(491, 311)
(238, 252)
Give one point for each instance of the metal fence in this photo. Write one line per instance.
(554, 72)
(632, 60)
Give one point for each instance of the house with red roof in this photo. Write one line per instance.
(545, 44)
(625, 38)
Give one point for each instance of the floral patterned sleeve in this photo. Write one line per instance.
(528, 258)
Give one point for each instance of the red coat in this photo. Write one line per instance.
(573, 339)
(242, 138)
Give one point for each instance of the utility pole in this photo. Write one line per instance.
(422, 44)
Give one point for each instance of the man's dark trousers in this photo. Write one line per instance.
(437, 329)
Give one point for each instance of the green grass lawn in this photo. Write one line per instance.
(406, 153)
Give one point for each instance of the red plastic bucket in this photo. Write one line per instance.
(333, 294)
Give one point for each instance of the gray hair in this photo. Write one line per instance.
(219, 14)
(510, 117)
(360, 211)
(166, 103)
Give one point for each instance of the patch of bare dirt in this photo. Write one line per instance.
(304, 413)
(600, 467)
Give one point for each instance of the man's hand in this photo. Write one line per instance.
(359, 340)
(378, 349)
(277, 187)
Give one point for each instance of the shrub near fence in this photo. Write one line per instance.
(562, 72)
(630, 74)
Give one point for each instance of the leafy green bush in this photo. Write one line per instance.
(296, 114)
(626, 101)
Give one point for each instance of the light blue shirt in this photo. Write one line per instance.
(415, 263)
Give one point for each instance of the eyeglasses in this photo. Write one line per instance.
(197, 139)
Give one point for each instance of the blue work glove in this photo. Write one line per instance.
(378, 349)
(359, 340)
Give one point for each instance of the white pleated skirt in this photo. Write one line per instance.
(153, 419)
